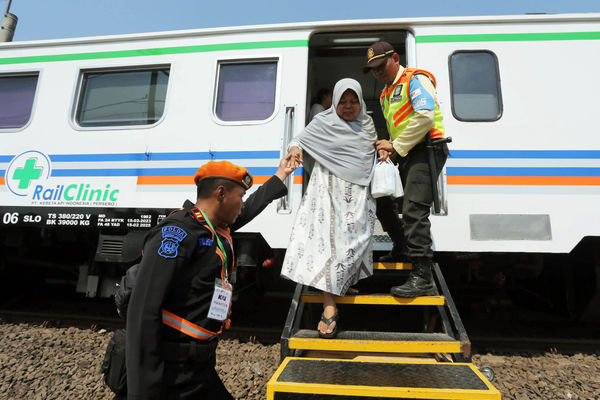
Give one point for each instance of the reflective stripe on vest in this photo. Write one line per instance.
(187, 327)
(397, 114)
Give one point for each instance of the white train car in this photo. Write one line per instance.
(100, 136)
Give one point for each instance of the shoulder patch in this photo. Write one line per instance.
(419, 96)
(205, 242)
(172, 237)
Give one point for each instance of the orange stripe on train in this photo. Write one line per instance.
(524, 180)
(189, 180)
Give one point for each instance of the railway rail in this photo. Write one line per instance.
(527, 341)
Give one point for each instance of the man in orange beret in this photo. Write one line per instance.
(181, 300)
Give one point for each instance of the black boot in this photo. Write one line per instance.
(419, 282)
(395, 255)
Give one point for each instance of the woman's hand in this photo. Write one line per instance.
(285, 167)
(383, 155)
(296, 157)
(384, 149)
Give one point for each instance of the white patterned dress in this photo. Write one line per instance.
(332, 238)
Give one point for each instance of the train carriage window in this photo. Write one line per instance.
(16, 100)
(475, 86)
(122, 98)
(246, 91)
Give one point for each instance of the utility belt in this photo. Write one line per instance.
(418, 148)
(422, 146)
(188, 352)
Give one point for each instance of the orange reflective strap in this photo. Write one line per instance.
(436, 134)
(389, 90)
(401, 110)
(409, 72)
(384, 93)
(186, 327)
(405, 78)
(403, 116)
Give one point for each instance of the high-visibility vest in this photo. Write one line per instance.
(397, 114)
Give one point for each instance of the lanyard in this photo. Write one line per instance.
(220, 245)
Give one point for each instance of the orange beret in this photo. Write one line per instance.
(224, 170)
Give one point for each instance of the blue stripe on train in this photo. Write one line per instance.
(215, 155)
(233, 155)
(152, 172)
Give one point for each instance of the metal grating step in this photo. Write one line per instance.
(323, 379)
(378, 299)
(377, 342)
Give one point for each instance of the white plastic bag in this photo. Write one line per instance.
(384, 179)
(399, 192)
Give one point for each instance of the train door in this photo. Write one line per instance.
(337, 55)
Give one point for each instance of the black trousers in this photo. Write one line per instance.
(412, 234)
(195, 379)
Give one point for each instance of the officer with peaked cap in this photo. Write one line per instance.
(181, 301)
(409, 106)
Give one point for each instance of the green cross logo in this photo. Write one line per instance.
(26, 174)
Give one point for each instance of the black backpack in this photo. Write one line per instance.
(113, 366)
(124, 288)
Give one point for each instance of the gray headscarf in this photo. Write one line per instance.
(346, 149)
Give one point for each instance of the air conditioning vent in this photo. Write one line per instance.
(112, 247)
(120, 248)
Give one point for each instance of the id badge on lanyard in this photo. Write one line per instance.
(219, 306)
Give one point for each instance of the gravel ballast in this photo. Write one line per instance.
(64, 363)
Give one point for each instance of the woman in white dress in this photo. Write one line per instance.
(331, 242)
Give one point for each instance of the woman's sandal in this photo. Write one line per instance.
(329, 321)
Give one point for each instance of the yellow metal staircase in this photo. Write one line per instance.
(385, 362)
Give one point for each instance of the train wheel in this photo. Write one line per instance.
(488, 372)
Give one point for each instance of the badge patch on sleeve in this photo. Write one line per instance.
(172, 237)
(421, 99)
(205, 242)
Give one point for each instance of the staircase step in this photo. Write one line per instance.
(378, 299)
(392, 266)
(320, 379)
(376, 342)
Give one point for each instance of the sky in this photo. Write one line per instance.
(51, 19)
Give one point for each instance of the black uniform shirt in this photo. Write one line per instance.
(177, 273)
